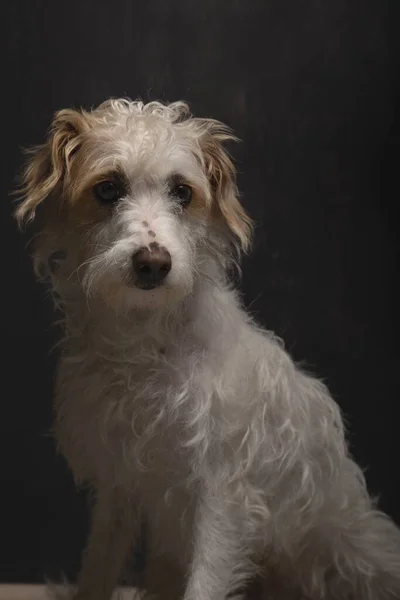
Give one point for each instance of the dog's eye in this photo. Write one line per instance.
(107, 191)
(183, 193)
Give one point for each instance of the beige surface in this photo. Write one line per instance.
(22, 592)
(38, 592)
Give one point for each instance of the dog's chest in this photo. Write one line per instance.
(125, 413)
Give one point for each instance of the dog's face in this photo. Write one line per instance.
(131, 199)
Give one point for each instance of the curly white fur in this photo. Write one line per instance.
(172, 403)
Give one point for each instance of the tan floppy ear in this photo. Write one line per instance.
(50, 163)
(222, 176)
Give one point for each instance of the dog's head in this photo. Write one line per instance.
(131, 200)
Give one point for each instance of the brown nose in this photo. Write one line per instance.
(151, 266)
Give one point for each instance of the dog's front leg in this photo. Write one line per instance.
(113, 532)
(220, 563)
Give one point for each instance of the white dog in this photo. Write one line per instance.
(171, 403)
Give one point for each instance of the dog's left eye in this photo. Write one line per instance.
(183, 193)
(107, 191)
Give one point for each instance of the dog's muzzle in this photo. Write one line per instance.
(151, 266)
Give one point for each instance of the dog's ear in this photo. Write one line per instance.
(50, 163)
(222, 176)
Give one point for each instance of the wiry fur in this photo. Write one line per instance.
(172, 403)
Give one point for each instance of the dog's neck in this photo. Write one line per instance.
(211, 305)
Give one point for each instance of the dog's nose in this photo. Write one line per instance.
(151, 266)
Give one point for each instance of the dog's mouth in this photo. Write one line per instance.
(147, 285)
(146, 280)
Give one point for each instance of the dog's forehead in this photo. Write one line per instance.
(147, 145)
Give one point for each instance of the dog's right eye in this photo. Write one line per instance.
(107, 192)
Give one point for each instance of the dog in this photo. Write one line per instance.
(171, 404)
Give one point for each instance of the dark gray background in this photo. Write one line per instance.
(311, 87)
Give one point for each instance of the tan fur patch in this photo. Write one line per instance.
(51, 163)
(221, 173)
(200, 205)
